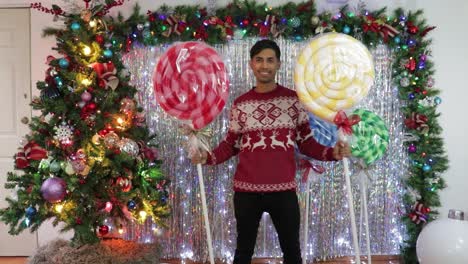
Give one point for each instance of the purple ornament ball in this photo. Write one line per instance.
(86, 96)
(53, 189)
(412, 148)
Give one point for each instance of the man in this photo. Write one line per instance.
(265, 125)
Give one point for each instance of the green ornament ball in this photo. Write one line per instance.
(294, 22)
(55, 166)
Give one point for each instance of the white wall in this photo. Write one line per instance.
(449, 55)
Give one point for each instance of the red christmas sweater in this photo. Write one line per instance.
(263, 130)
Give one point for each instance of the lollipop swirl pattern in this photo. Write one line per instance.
(332, 73)
(191, 83)
(370, 137)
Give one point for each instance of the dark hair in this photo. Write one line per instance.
(265, 44)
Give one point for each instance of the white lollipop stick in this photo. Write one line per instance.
(199, 140)
(205, 213)
(306, 221)
(342, 137)
(366, 214)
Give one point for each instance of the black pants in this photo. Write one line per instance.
(283, 208)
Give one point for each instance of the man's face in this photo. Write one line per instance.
(264, 66)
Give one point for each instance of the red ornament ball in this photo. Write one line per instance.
(413, 30)
(103, 230)
(99, 39)
(92, 106)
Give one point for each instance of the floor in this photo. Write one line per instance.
(12, 260)
(344, 260)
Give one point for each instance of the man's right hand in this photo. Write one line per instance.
(200, 157)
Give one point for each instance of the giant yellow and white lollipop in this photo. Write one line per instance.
(334, 72)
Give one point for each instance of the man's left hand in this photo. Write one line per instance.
(341, 150)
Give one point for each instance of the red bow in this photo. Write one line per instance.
(106, 73)
(418, 122)
(370, 24)
(272, 23)
(31, 151)
(228, 25)
(345, 123)
(419, 213)
(201, 33)
(175, 26)
(387, 30)
(307, 166)
(377, 26)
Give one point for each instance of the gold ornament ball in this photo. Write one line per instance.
(96, 139)
(314, 20)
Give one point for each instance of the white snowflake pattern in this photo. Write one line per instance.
(63, 133)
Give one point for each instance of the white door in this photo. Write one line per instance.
(15, 92)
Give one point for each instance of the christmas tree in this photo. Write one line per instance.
(89, 158)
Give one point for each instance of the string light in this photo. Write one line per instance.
(58, 208)
(86, 82)
(143, 215)
(92, 23)
(86, 50)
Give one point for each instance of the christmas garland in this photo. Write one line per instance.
(403, 32)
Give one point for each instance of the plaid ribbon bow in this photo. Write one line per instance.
(31, 151)
(419, 213)
(106, 73)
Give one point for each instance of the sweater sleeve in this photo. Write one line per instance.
(229, 146)
(305, 141)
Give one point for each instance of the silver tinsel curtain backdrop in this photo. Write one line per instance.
(329, 221)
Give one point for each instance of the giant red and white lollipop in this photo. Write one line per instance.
(191, 83)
